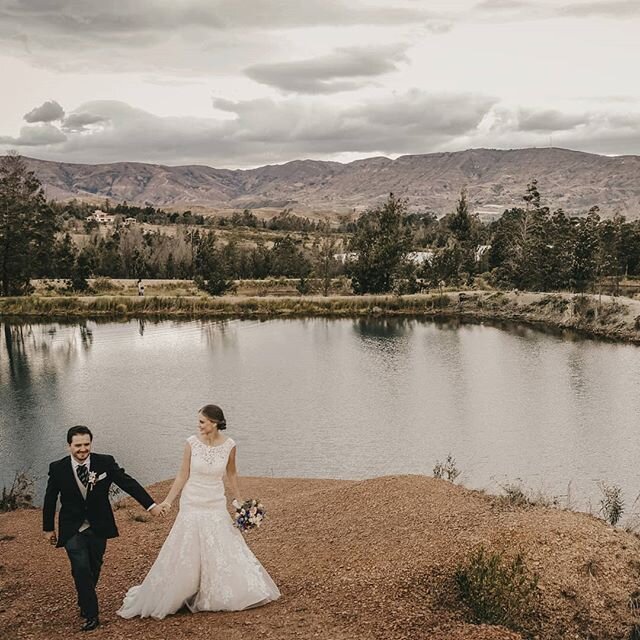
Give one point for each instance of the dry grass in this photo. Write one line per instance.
(602, 316)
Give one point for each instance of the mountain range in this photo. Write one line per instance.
(494, 179)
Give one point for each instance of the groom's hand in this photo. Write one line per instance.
(157, 511)
(50, 537)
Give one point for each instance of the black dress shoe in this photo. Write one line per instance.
(90, 624)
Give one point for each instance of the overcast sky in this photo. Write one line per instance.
(243, 83)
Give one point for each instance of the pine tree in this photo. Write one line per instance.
(27, 227)
(382, 240)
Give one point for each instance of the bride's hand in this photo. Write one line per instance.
(165, 507)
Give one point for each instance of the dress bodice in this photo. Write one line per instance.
(208, 463)
(204, 490)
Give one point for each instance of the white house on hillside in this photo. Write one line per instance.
(102, 217)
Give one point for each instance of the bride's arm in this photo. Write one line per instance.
(181, 478)
(232, 476)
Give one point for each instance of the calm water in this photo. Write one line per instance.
(330, 398)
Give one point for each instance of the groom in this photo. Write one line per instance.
(86, 520)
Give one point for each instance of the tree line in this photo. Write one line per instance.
(388, 248)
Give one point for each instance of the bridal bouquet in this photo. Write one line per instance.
(249, 514)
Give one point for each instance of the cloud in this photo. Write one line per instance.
(548, 120)
(96, 17)
(189, 36)
(80, 121)
(264, 131)
(35, 136)
(501, 5)
(342, 70)
(604, 8)
(46, 112)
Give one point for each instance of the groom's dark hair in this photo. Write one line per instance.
(78, 430)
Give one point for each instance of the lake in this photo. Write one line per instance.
(349, 398)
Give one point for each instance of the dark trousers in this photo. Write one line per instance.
(85, 551)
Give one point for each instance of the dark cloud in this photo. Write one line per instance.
(548, 120)
(342, 70)
(190, 36)
(46, 112)
(80, 121)
(431, 115)
(39, 135)
(263, 131)
(95, 17)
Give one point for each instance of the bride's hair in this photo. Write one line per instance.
(214, 413)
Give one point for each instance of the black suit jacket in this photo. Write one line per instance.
(96, 509)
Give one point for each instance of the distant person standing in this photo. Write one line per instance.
(140, 287)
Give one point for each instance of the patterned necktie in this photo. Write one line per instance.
(83, 474)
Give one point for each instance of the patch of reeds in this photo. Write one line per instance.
(227, 306)
(446, 470)
(19, 495)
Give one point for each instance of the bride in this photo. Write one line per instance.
(204, 563)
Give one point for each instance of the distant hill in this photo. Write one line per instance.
(495, 180)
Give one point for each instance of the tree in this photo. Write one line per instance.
(381, 241)
(212, 274)
(27, 226)
(81, 271)
(460, 221)
(610, 257)
(325, 264)
(521, 243)
(584, 263)
(288, 259)
(460, 247)
(64, 257)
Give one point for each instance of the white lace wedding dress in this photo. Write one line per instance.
(204, 563)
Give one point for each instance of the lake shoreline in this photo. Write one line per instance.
(607, 317)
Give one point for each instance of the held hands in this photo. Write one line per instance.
(161, 509)
(50, 537)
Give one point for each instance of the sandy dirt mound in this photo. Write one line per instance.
(369, 559)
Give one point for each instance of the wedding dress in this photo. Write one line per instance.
(204, 563)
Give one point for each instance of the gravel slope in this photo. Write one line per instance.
(367, 559)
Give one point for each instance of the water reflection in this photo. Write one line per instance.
(32, 358)
(330, 398)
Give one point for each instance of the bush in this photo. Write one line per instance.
(516, 495)
(103, 284)
(446, 470)
(215, 285)
(612, 504)
(499, 591)
(19, 495)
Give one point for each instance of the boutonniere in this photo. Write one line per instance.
(93, 477)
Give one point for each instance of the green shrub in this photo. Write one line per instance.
(499, 591)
